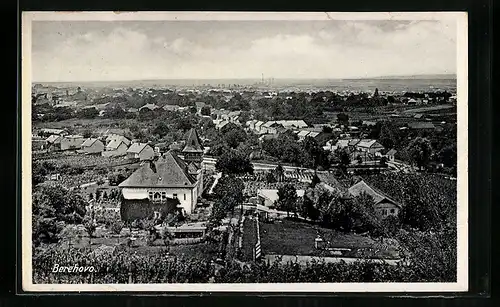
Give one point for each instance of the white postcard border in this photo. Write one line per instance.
(462, 149)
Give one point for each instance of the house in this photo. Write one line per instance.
(116, 147)
(92, 145)
(251, 124)
(368, 123)
(71, 142)
(383, 205)
(220, 125)
(302, 134)
(149, 106)
(391, 154)
(169, 178)
(342, 143)
(352, 144)
(268, 197)
(132, 110)
(141, 151)
(53, 142)
(171, 107)
(48, 131)
(199, 105)
(368, 145)
(258, 125)
(330, 183)
(421, 126)
(290, 124)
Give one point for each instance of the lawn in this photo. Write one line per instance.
(298, 238)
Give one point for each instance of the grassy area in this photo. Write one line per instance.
(249, 238)
(297, 238)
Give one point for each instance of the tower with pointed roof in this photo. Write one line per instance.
(193, 150)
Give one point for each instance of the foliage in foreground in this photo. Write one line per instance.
(115, 267)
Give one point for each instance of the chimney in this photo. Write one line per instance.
(152, 166)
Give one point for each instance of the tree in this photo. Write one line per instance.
(279, 172)
(116, 228)
(229, 192)
(167, 238)
(343, 119)
(205, 110)
(90, 225)
(234, 162)
(343, 157)
(287, 198)
(161, 129)
(419, 151)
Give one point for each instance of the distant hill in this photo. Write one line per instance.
(418, 77)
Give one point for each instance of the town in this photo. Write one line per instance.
(247, 182)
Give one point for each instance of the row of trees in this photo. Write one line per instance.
(307, 153)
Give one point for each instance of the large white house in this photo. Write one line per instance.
(169, 178)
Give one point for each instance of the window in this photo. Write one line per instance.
(384, 212)
(150, 195)
(392, 211)
(184, 196)
(175, 195)
(163, 195)
(157, 196)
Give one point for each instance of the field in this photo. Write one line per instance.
(297, 238)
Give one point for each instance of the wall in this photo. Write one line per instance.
(386, 206)
(147, 153)
(98, 146)
(140, 193)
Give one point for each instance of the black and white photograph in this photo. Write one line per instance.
(269, 152)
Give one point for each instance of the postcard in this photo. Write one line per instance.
(244, 152)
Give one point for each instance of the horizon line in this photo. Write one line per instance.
(452, 75)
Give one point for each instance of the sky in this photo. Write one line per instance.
(65, 51)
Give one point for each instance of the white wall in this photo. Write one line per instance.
(187, 204)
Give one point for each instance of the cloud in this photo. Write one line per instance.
(330, 50)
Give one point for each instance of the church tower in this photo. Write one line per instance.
(193, 156)
(193, 151)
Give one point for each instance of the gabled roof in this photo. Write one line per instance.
(199, 104)
(193, 142)
(296, 123)
(421, 125)
(192, 168)
(169, 171)
(269, 123)
(53, 138)
(342, 143)
(272, 194)
(259, 123)
(353, 142)
(115, 143)
(313, 134)
(89, 142)
(150, 106)
(303, 133)
(331, 183)
(137, 148)
(391, 152)
(369, 143)
(377, 196)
